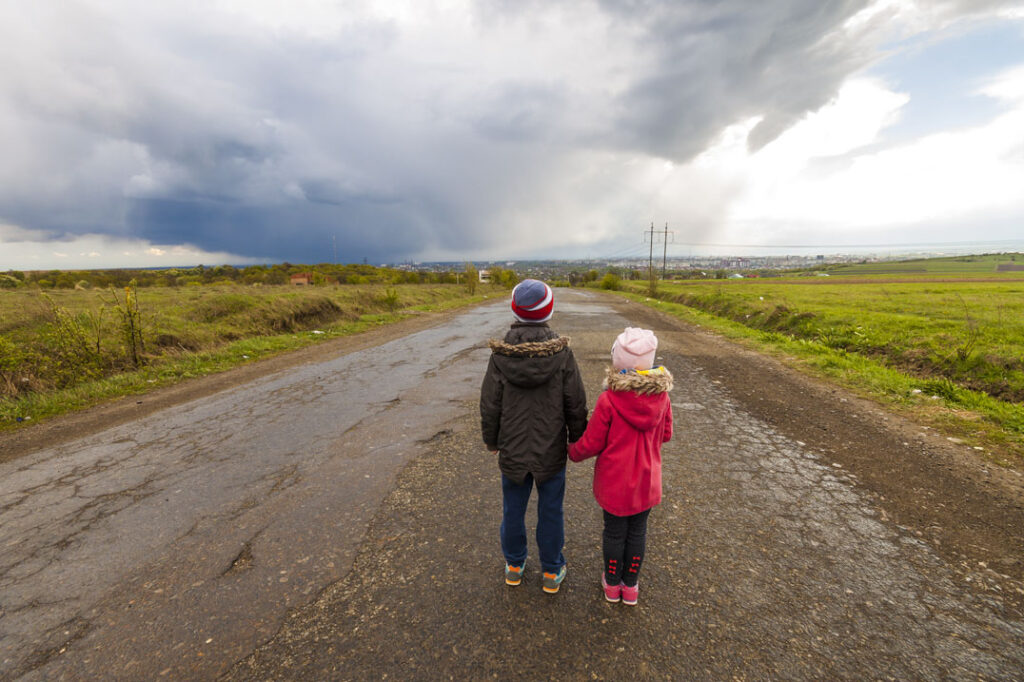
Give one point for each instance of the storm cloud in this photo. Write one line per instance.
(399, 130)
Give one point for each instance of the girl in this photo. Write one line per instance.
(631, 420)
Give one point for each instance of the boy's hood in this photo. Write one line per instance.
(637, 396)
(531, 363)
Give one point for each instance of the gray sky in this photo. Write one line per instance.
(238, 131)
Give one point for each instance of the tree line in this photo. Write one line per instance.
(280, 273)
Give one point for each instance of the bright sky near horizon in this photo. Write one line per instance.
(237, 131)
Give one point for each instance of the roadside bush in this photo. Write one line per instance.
(390, 299)
(472, 278)
(611, 282)
(70, 356)
(16, 367)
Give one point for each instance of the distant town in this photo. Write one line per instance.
(675, 267)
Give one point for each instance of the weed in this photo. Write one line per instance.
(131, 323)
(944, 388)
(390, 299)
(964, 350)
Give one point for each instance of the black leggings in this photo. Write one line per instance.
(624, 540)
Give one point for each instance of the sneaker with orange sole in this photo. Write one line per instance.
(513, 574)
(552, 581)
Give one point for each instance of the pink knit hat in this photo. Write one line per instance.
(634, 349)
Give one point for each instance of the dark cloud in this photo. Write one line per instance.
(189, 126)
(310, 234)
(720, 62)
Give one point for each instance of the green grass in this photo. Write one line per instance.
(955, 266)
(189, 332)
(898, 342)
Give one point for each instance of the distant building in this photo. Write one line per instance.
(485, 275)
(302, 279)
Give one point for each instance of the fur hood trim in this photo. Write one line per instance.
(530, 349)
(650, 383)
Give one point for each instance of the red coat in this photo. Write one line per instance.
(631, 420)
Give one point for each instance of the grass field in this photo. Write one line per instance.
(932, 342)
(68, 349)
(987, 265)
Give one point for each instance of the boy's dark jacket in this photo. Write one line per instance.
(532, 401)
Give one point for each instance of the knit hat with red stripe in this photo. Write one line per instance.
(532, 301)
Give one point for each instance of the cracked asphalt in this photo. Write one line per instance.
(174, 544)
(339, 521)
(766, 560)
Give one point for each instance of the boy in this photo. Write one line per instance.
(532, 403)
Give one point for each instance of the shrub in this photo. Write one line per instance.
(611, 282)
(15, 364)
(390, 299)
(70, 356)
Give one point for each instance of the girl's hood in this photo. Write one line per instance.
(638, 396)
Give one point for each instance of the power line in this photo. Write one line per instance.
(845, 246)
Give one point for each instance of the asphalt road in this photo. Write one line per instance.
(339, 521)
(175, 544)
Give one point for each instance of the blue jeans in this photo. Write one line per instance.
(550, 521)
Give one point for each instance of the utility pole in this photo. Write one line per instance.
(664, 234)
(664, 253)
(650, 257)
